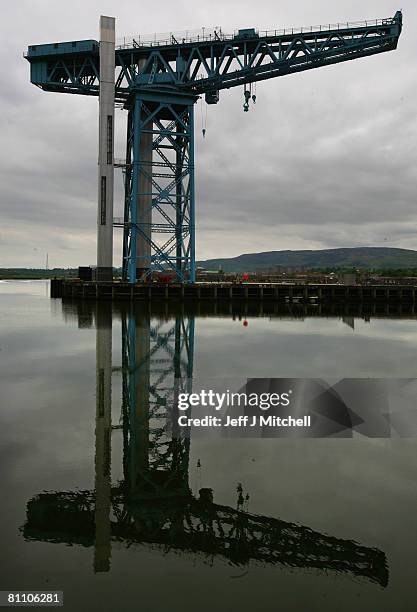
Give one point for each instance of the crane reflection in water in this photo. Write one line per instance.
(154, 504)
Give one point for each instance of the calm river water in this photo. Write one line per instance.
(98, 502)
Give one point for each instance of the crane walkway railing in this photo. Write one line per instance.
(216, 34)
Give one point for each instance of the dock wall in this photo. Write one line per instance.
(219, 292)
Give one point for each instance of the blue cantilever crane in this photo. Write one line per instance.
(158, 83)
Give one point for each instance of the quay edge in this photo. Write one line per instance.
(288, 293)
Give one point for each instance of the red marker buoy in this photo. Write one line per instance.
(245, 323)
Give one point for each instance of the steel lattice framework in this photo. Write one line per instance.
(157, 365)
(162, 172)
(158, 83)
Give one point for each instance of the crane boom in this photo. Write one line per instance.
(215, 63)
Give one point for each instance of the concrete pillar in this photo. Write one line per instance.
(106, 150)
(144, 200)
(144, 204)
(102, 545)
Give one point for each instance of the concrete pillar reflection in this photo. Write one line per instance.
(139, 409)
(102, 550)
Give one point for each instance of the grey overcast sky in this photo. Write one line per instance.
(325, 159)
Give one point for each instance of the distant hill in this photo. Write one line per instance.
(35, 273)
(368, 258)
(360, 257)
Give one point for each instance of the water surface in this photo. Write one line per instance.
(81, 389)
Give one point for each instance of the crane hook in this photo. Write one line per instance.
(246, 93)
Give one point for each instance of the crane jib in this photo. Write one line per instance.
(205, 66)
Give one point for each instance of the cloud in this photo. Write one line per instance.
(324, 159)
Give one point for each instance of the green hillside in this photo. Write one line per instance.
(360, 257)
(36, 273)
(384, 259)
